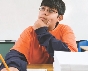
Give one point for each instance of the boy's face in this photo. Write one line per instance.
(46, 14)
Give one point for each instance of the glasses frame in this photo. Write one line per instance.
(50, 10)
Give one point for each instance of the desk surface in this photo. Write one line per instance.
(84, 47)
(49, 67)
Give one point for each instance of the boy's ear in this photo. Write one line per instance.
(60, 17)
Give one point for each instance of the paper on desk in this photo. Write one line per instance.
(70, 61)
(36, 69)
(72, 57)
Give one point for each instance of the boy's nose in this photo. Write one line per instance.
(46, 12)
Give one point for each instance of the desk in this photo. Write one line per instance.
(49, 67)
(84, 48)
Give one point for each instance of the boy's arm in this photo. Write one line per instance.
(49, 41)
(15, 59)
(18, 55)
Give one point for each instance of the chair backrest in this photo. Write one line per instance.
(81, 43)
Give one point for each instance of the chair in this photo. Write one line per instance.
(81, 43)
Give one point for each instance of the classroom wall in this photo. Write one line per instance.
(76, 16)
(16, 15)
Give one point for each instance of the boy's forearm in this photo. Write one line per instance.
(49, 41)
(15, 59)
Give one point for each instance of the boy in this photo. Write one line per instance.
(37, 43)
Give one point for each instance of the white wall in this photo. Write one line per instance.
(16, 15)
(76, 16)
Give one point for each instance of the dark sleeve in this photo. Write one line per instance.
(15, 59)
(49, 41)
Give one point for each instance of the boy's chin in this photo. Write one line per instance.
(50, 29)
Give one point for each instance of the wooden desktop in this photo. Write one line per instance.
(84, 48)
(49, 67)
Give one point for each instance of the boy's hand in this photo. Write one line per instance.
(40, 23)
(10, 68)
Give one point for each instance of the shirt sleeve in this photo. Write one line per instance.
(49, 41)
(15, 59)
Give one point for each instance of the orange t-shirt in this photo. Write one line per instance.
(28, 44)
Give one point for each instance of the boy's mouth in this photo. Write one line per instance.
(42, 18)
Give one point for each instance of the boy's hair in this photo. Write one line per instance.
(59, 5)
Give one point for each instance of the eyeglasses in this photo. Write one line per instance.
(51, 11)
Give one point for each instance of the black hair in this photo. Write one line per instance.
(59, 5)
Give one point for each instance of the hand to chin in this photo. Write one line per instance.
(41, 23)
